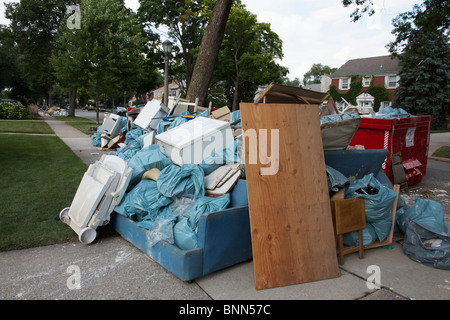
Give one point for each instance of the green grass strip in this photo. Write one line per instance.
(28, 126)
(442, 152)
(39, 177)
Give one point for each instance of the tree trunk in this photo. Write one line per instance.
(97, 92)
(72, 102)
(209, 49)
(236, 95)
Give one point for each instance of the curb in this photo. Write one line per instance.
(439, 159)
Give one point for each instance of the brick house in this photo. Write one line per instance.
(383, 71)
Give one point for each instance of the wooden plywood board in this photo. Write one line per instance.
(290, 214)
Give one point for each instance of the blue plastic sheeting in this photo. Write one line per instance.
(97, 142)
(171, 207)
(392, 113)
(170, 124)
(134, 143)
(235, 116)
(415, 245)
(175, 181)
(428, 213)
(336, 180)
(378, 207)
(339, 117)
(144, 160)
(227, 155)
(185, 230)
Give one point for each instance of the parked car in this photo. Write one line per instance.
(136, 107)
(120, 111)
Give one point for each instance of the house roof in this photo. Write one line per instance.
(374, 65)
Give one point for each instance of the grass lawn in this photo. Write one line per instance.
(25, 126)
(39, 177)
(82, 124)
(443, 152)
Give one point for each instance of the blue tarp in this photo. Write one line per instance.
(392, 113)
(378, 203)
(428, 213)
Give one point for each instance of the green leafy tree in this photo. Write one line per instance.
(362, 7)
(185, 21)
(422, 46)
(104, 54)
(34, 25)
(248, 55)
(316, 72)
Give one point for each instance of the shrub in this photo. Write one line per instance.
(13, 110)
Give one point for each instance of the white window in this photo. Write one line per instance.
(392, 81)
(344, 83)
(366, 81)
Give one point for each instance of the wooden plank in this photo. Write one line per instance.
(290, 214)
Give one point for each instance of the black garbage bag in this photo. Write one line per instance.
(431, 248)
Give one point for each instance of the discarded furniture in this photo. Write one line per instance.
(110, 128)
(150, 116)
(223, 240)
(101, 189)
(410, 136)
(290, 213)
(195, 140)
(183, 105)
(348, 215)
(131, 116)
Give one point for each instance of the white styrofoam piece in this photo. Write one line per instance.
(227, 186)
(150, 116)
(148, 139)
(213, 179)
(195, 140)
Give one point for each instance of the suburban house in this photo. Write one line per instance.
(375, 71)
(174, 91)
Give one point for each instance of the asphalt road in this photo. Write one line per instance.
(435, 185)
(91, 115)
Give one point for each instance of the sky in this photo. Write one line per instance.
(315, 31)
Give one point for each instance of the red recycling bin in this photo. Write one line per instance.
(408, 136)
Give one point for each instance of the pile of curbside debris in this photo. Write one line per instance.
(177, 187)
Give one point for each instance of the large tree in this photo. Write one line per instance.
(248, 55)
(104, 54)
(34, 25)
(314, 75)
(422, 46)
(185, 21)
(209, 49)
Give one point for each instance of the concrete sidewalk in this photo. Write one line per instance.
(78, 142)
(112, 268)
